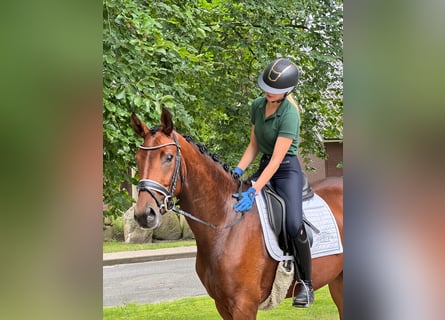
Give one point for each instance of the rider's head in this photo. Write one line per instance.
(280, 76)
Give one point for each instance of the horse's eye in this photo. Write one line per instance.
(169, 158)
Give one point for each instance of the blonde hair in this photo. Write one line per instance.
(294, 103)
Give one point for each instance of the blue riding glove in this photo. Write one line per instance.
(237, 173)
(246, 201)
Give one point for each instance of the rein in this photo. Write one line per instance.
(168, 203)
(211, 225)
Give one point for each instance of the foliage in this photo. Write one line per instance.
(201, 59)
(323, 308)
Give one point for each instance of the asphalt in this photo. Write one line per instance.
(114, 258)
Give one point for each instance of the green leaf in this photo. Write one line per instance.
(201, 32)
(121, 95)
(138, 101)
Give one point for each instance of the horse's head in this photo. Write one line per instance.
(159, 164)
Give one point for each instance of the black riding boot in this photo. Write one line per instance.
(302, 255)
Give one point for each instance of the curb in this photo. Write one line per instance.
(114, 258)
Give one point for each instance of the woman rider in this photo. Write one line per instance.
(275, 133)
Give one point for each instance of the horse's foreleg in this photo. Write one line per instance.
(336, 290)
(222, 309)
(237, 312)
(244, 312)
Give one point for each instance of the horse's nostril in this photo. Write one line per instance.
(140, 219)
(151, 215)
(146, 218)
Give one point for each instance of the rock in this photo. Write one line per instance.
(186, 231)
(132, 232)
(170, 228)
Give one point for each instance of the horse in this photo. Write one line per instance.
(232, 261)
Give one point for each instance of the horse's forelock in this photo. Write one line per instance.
(154, 129)
(157, 135)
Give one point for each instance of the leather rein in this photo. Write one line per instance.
(168, 204)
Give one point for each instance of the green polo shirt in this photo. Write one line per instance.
(285, 122)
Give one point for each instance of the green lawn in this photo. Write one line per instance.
(203, 308)
(116, 246)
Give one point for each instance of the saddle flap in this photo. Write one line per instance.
(307, 189)
(276, 208)
(276, 212)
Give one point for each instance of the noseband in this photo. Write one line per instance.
(168, 203)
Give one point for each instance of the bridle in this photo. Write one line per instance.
(168, 204)
(151, 185)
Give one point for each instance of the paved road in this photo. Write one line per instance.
(150, 282)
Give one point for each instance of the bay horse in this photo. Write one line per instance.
(232, 261)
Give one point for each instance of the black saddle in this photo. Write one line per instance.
(276, 210)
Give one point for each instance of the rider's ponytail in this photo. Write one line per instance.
(292, 101)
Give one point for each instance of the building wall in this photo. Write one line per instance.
(320, 169)
(335, 153)
(328, 167)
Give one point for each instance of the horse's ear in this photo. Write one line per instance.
(138, 126)
(167, 122)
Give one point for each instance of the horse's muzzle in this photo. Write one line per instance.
(149, 218)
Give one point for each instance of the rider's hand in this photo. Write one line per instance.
(237, 173)
(246, 201)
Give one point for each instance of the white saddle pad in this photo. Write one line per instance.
(327, 242)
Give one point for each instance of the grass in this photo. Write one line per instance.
(203, 308)
(117, 246)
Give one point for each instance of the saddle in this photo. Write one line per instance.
(276, 210)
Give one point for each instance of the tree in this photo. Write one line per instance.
(201, 60)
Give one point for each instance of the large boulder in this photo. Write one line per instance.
(186, 231)
(132, 232)
(170, 228)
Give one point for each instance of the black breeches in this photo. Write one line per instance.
(288, 183)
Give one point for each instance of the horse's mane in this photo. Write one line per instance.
(201, 147)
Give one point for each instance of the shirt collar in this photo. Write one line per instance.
(280, 110)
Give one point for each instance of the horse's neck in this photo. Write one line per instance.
(207, 188)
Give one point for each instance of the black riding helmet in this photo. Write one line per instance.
(280, 76)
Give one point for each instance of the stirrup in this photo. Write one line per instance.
(308, 292)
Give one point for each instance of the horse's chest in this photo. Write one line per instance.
(212, 275)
